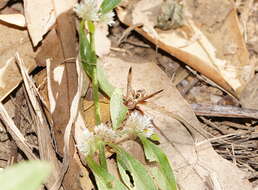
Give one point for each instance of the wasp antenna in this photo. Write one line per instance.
(129, 82)
(150, 96)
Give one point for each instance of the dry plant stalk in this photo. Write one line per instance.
(15, 133)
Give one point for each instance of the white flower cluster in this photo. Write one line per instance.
(90, 10)
(85, 142)
(105, 133)
(140, 124)
(88, 139)
(136, 123)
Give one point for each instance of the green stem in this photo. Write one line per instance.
(96, 95)
(92, 62)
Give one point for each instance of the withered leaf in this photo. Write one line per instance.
(59, 50)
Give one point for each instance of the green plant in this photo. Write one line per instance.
(125, 124)
(27, 175)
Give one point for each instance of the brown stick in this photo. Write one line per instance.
(224, 111)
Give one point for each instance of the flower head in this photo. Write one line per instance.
(90, 10)
(107, 18)
(105, 133)
(86, 142)
(87, 9)
(140, 124)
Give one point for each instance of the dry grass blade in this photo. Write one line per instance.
(46, 150)
(15, 133)
(29, 87)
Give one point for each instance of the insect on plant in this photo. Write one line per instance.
(135, 97)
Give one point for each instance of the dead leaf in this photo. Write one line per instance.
(15, 19)
(13, 40)
(15, 133)
(193, 165)
(88, 112)
(211, 43)
(42, 15)
(3, 3)
(62, 88)
(248, 96)
(103, 44)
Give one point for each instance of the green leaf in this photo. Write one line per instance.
(154, 137)
(108, 5)
(103, 82)
(124, 175)
(27, 175)
(105, 180)
(102, 157)
(126, 163)
(164, 175)
(117, 108)
(159, 178)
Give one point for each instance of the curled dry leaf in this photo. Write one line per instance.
(209, 40)
(194, 166)
(15, 19)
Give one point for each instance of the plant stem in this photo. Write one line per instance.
(96, 96)
(95, 84)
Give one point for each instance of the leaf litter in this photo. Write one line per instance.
(194, 162)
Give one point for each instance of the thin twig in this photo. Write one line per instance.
(137, 44)
(224, 111)
(127, 32)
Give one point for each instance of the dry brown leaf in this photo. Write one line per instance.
(13, 40)
(41, 16)
(210, 40)
(195, 166)
(59, 49)
(70, 161)
(59, 52)
(88, 112)
(248, 96)
(15, 133)
(3, 3)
